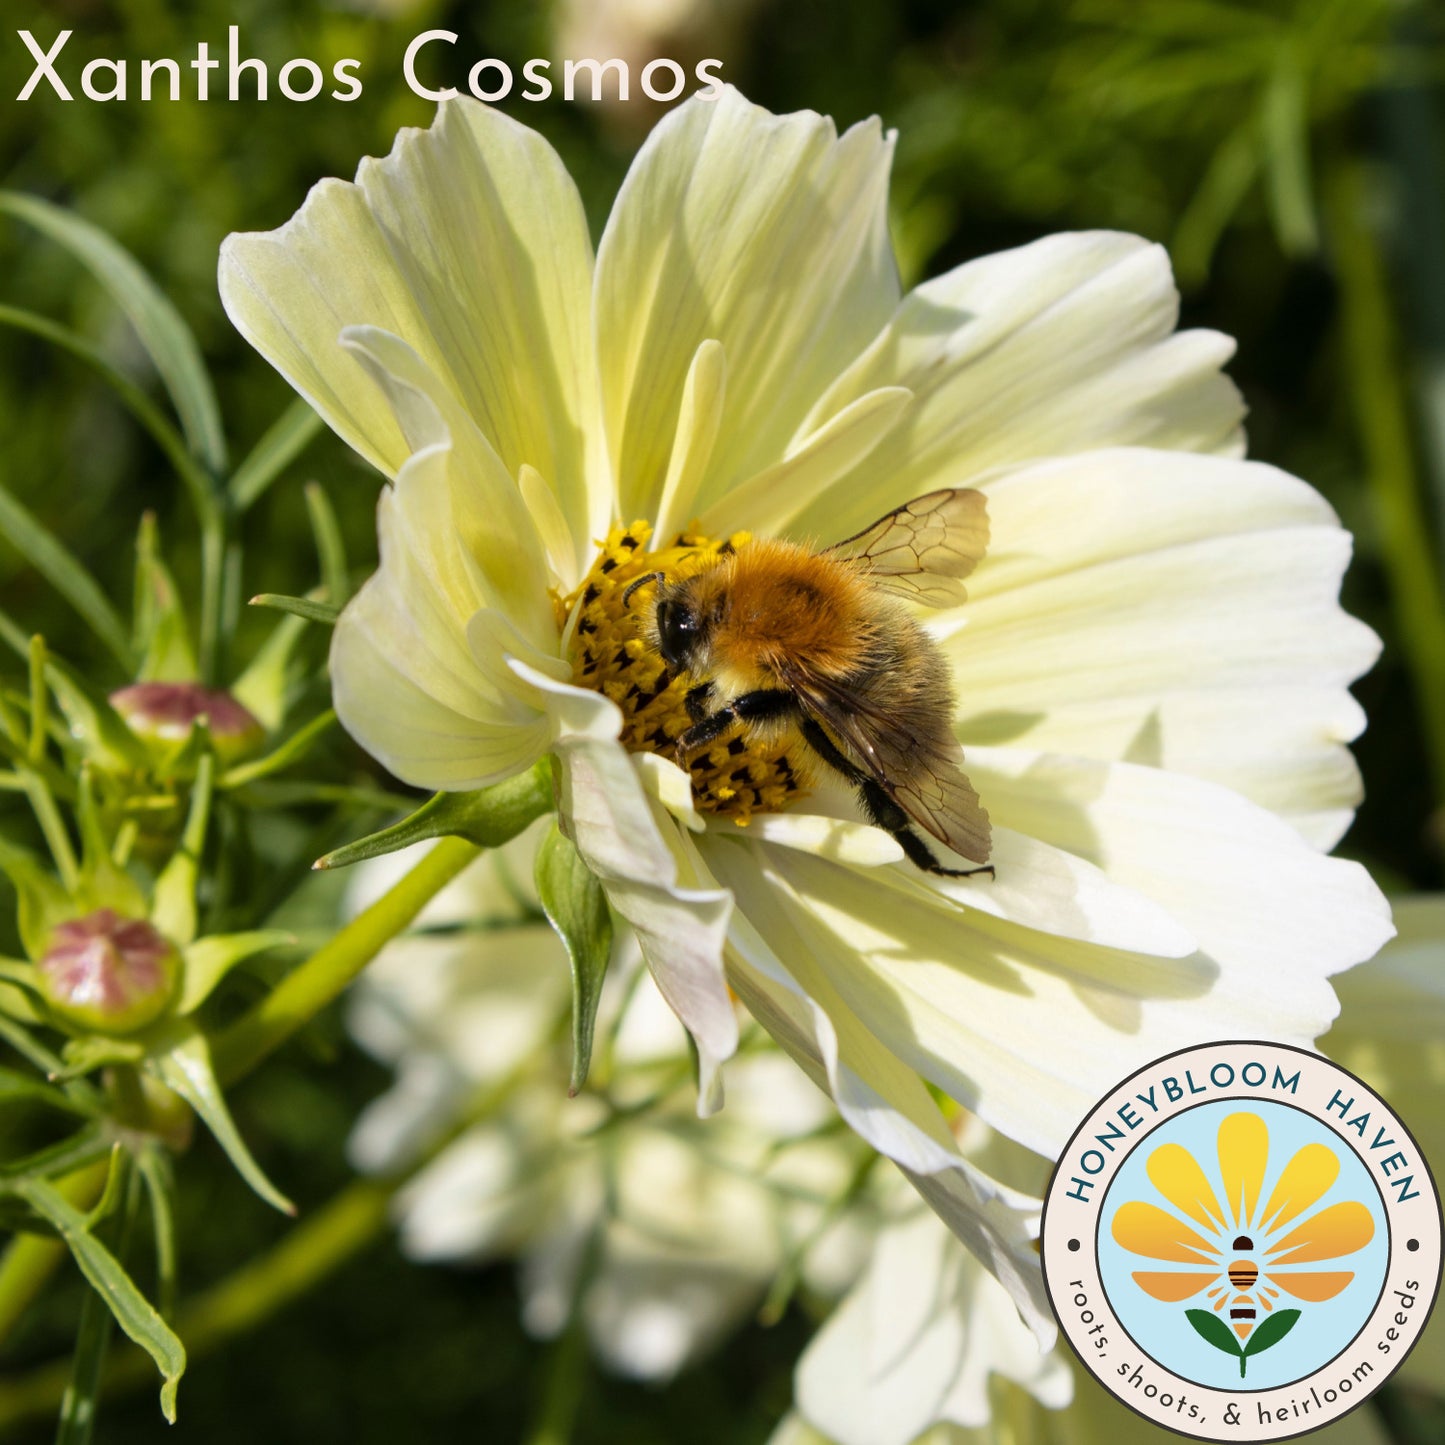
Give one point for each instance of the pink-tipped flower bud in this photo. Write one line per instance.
(107, 973)
(165, 712)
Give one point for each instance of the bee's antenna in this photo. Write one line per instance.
(641, 582)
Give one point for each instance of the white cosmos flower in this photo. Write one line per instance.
(668, 1230)
(1151, 668)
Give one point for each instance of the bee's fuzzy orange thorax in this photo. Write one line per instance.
(783, 600)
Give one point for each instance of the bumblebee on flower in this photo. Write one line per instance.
(1149, 672)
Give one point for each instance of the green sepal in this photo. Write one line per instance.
(103, 884)
(487, 817)
(208, 960)
(306, 607)
(132, 1311)
(15, 1086)
(43, 902)
(173, 907)
(162, 637)
(267, 683)
(185, 1066)
(576, 907)
(96, 1051)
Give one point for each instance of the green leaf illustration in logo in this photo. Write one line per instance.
(1271, 1332)
(1213, 1329)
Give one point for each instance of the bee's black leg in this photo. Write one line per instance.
(882, 811)
(696, 701)
(760, 706)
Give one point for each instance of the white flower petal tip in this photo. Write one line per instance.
(672, 787)
(921, 1341)
(766, 235)
(681, 930)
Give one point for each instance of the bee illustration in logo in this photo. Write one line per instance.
(779, 636)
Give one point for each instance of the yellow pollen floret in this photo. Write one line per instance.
(736, 775)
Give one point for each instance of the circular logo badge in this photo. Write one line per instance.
(1242, 1242)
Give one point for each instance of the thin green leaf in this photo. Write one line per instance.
(487, 817)
(16, 1087)
(1210, 1327)
(209, 960)
(43, 902)
(155, 1169)
(85, 1147)
(1271, 1331)
(576, 907)
(298, 607)
(132, 1311)
(162, 332)
(330, 549)
(64, 572)
(186, 1067)
(140, 406)
(1285, 120)
(285, 440)
(1227, 179)
(292, 750)
(162, 638)
(92, 722)
(81, 1401)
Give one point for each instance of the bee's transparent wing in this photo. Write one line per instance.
(924, 549)
(921, 774)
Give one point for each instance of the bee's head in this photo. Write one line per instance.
(683, 621)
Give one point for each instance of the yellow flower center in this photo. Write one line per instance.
(612, 651)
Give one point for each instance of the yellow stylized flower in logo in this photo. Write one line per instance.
(1245, 1256)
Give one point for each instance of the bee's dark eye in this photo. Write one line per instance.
(676, 631)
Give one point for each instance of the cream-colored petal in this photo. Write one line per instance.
(1227, 657)
(1061, 346)
(469, 242)
(1273, 918)
(607, 812)
(404, 679)
(878, 1094)
(917, 1342)
(481, 531)
(768, 502)
(765, 233)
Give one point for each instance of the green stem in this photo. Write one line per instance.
(1382, 417)
(301, 995)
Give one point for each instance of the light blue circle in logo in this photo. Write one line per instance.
(1162, 1330)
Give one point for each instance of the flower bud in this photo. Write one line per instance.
(108, 973)
(165, 712)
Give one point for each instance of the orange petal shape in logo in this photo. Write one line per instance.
(1313, 1285)
(1172, 1285)
(1146, 1229)
(1341, 1229)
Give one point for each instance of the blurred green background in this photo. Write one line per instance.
(1291, 155)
